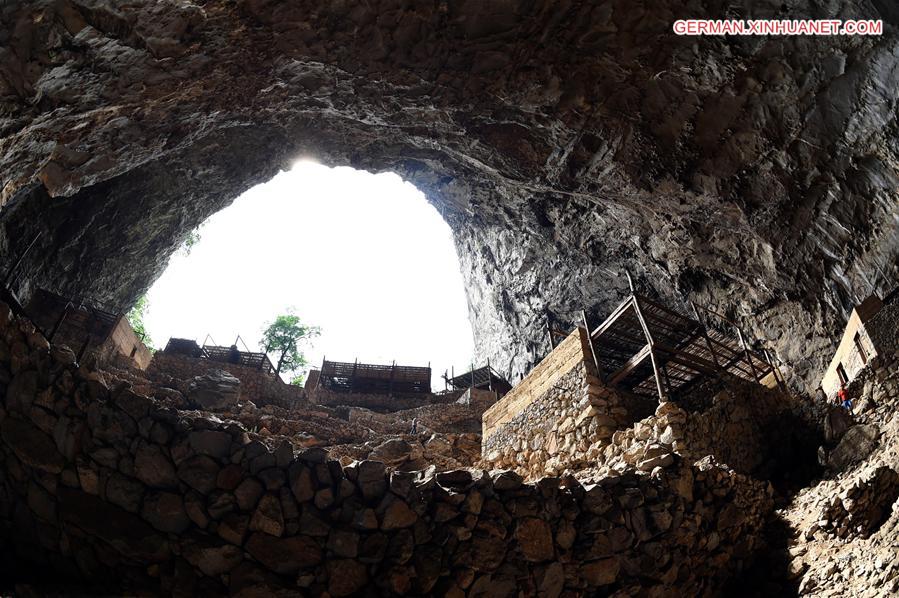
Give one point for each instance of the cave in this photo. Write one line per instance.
(569, 146)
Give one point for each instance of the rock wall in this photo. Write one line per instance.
(562, 142)
(257, 386)
(103, 485)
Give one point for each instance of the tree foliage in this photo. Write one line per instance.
(284, 337)
(136, 318)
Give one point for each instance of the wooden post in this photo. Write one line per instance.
(705, 335)
(353, 377)
(472, 375)
(592, 347)
(392, 372)
(781, 383)
(755, 374)
(62, 318)
(18, 262)
(630, 282)
(652, 353)
(489, 376)
(549, 332)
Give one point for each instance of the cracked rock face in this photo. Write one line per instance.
(563, 142)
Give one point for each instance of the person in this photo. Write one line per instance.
(234, 354)
(843, 398)
(414, 429)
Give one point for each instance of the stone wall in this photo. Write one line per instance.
(566, 356)
(547, 423)
(883, 328)
(256, 385)
(554, 433)
(123, 342)
(381, 402)
(102, 485)
(746, 426)
(751, 428)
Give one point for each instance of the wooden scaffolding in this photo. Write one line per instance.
(375, 379)
(249, 359)
(650, 350)
(484, 378)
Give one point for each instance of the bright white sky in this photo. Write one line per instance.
(363, 256)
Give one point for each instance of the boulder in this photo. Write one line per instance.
(837, 422)
(216, 391)
(200, 473)
(857, 443)
(284, 556)
(248, 493)
(211, 442)
(210, 555)
(126, 533)
(31, 446)
(268, 517)
(393, 452)
(165, 511)
(346, 577)
(396, 514)
(602, 572)
(153, 468)
(535, 538)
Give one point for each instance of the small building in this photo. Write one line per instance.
(86, 327)
(868, 333)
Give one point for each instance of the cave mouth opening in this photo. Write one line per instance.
(364, 257)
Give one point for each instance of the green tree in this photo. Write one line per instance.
(136, 318)
(190, 240)
(285, 337)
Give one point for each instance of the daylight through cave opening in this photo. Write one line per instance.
(364, 257)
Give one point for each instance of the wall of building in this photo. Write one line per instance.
(848, 354)
(124, 342)
(883, 328)
(104, 485)
(255, 385)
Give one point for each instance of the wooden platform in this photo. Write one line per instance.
(650, 350)
(190, 348)
(485, 378)
(374, 378)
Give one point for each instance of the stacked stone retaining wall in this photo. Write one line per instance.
(381, 402)
(260, 387)
(103, 487)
